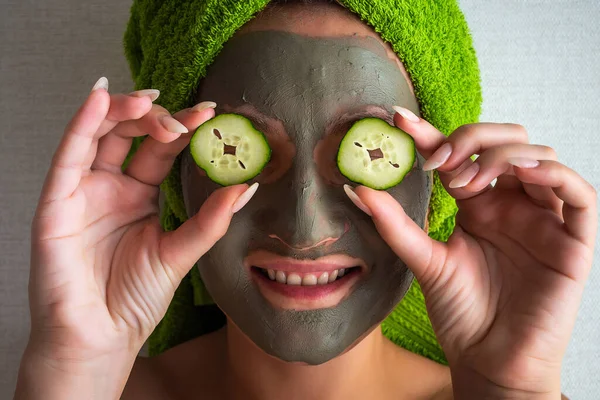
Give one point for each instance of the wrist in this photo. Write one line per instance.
(44, 377)
(468, 384)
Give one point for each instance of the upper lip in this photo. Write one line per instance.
(267, 260)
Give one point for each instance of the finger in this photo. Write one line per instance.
(67, 164)
(458, 147)
(508, 182)
(182, 248)
(495, 161)
(153, 160)
(545, 197)
(579, 197)
(427, 137)
(126, 107)
(110, 153)
(422, 255)
(114, 147)
(122, 108)
(158, 123)
(465, 141)
(428, 140)
(471, 139)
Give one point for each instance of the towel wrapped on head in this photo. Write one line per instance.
(170, 44)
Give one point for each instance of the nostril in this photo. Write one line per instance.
(282, 223)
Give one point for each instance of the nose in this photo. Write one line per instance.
(307, 217)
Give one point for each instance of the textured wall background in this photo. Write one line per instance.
(539, 62)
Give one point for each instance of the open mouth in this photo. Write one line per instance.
(305, 278)
(307, 284)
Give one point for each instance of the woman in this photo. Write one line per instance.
(502, 293)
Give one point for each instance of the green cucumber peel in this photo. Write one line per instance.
(230, 149)
(375, 154)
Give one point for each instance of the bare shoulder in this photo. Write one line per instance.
(190, 370)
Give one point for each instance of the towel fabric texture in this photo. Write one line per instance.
(170, 43)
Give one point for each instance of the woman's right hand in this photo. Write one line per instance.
(103, 272)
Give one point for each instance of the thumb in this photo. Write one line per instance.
(180, 249)
(423, 255)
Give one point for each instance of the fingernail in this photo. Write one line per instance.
(172, 125)
(203, 106)
(465, 177)
(152, 93)
(523, 162)
(406, 113)
(438, 158)
(101, 84)
(244, 198)
(356, 200)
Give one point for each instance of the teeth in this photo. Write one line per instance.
(280, 276)
(333, 276)
(308, 280)
(294, 280)
(323, 278)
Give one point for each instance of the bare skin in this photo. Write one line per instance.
(103, 272)
(226, 365)
(232, 367)
(374, 368)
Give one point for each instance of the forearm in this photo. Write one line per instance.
(43, 378)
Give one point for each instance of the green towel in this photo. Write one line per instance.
(169, 45)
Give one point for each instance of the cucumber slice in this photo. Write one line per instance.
(229, 149)
(375, 154)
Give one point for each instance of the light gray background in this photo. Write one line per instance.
(540, 63)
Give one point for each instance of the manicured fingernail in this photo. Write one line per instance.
(152, 93)
(356, 200)
(438, 158)
(101, 84)
(465, 177)
(244, 198)
(523, 162)
(406, 113)
(203, 106)
(172, 125)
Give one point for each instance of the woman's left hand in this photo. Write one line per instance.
(503, 292)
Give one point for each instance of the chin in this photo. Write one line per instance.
(310, 336)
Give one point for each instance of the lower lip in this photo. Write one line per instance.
(299, 292)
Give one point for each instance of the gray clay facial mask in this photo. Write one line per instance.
(304, 93)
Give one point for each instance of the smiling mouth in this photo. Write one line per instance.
(292, 284)
(306, 279)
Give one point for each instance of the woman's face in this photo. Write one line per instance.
(303, 87)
